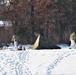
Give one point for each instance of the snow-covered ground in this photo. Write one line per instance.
(63, 46)
(11, 47)
(38, 62)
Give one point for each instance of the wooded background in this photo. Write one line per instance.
(54, 19)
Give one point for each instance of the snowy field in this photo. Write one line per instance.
(38, 62)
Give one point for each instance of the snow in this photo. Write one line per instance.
(1, 22)
(63, 46)
(5, 23)
(27, 46)
(38, 62)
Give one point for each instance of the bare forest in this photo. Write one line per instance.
(54, 19)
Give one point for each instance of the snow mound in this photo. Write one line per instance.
(63, 46)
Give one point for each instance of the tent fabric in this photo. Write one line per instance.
(36, 44)
(42, 43)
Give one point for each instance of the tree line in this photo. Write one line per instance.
(52, 18)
